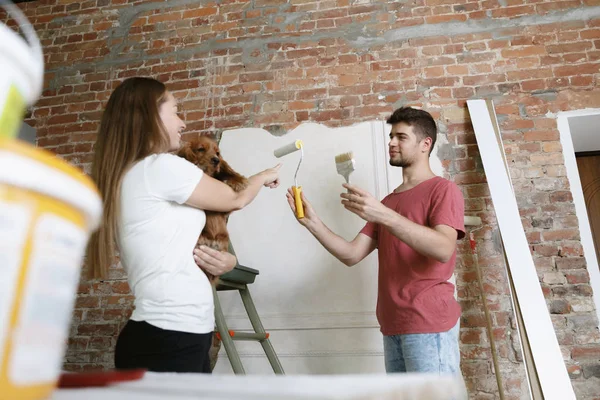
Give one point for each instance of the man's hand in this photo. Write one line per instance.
(310, 219)
(213, 261)
(361, 203)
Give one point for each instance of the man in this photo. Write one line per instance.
(415, 229)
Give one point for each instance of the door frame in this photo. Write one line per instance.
(587, 240)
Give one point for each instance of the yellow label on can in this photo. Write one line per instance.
(12, 114)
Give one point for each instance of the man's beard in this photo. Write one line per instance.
(400, 163)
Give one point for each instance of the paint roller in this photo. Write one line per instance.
(297, 190)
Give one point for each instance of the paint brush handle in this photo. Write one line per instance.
(297, 190)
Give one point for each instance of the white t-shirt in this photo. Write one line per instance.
(157, 236)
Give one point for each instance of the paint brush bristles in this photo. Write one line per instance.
(340, 158)
(345, 165)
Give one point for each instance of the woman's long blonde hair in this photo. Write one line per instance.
(130, 130)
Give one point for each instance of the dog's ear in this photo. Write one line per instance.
(229, 176)
(226, 172)
(187, 153)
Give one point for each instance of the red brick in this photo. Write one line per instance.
(517, 124)
(570, 48)
(529, 74)
(475, 57)
(547, 159)
(551, 147)
(438, 19)
(570, 263)
(536, 84)
(293, 54)
(164, 17)
(117, 314)
(120, 287)
(348, 59)
(325, 23)
(119, 300)
(582, 69)
(469, 178)
(465, 92)
(471, 336)
(53, 140)
(587, 353)
(561, 197)
(579, 276)
(525, 51)
(590, 34)
(78, 343)
(87, 302)
(541, 135)
(512, 11)
(478, 80)
(348, 80)
(571, 250)
(581, 80)
(473, 320)
(528, 62)
(561, 234)
(361, 9)
(311, 94)
(546, 7)
(97, 329)
(202, 12)
(388, 65)
(457, 69)
(301, 105)
(371, 111)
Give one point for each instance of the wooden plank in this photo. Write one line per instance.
(545, 350)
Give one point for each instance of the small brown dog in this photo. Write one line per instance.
(204, 153)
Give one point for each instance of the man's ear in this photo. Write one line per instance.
(426, 144)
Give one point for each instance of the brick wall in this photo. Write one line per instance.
(275, 64)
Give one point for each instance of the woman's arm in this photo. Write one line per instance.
(213, 195)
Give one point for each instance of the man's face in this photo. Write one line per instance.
(405, 147)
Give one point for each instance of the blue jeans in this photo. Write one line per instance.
(423, 352)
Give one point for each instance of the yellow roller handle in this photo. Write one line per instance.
(298, 200)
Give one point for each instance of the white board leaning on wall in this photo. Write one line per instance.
(321, 314)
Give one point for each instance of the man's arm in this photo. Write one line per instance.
(350, 253)
(438, 242)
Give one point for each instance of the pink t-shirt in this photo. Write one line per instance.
(414, 293)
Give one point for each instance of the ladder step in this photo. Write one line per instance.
(246, 336)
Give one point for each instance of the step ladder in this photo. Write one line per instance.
(238, 279)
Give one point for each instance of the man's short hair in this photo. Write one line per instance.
(421, 121)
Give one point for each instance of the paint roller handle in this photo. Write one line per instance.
(297, 190)
(472, 243)
(309, 219)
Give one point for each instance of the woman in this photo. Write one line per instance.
(153, 213)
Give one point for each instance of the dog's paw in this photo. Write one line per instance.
(219, 243)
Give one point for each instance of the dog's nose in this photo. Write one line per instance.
(215, 160)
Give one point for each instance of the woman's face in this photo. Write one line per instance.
(173, 124)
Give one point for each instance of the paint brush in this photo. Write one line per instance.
(345, 165)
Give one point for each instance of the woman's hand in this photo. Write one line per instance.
(271, 176)
(213, 261)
